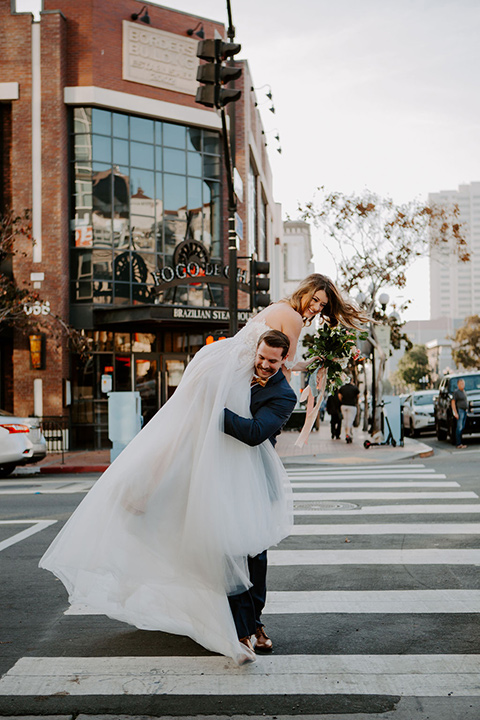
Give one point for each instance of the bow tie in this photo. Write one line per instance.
(256, 380)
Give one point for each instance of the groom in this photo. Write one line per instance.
(272, 402)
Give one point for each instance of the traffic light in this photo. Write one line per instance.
(215, 336)
(259, 285)
(214, 75)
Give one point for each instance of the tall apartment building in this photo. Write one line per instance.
(455, 286)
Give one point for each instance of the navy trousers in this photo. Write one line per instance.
(247, 607)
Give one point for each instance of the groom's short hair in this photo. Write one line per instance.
(275, 338)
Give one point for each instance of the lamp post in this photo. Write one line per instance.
(379, 341)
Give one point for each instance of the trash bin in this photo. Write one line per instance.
(124, 419)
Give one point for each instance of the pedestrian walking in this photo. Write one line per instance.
(335, 411)
(459, 410)
(348, 395)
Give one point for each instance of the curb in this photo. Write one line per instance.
(59, 469)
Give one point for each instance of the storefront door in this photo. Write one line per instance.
(173, 369)
(146, 381)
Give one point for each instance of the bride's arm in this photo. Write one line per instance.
(291, 325)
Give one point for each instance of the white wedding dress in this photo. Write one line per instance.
(163, 536)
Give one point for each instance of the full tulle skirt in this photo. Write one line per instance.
(163, 537)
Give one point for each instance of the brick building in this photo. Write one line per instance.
(101, 138)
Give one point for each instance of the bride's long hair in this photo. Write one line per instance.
(337, 310)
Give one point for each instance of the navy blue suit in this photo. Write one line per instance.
(271, 406)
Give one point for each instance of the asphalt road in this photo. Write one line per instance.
(374, 606)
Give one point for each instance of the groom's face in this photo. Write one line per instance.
(267, 360)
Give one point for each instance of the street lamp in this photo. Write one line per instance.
(368, 301)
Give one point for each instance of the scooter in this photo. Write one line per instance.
(389, 440)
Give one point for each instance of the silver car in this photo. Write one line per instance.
(21, 442)
(418, 412)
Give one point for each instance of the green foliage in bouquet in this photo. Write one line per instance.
(337, 349)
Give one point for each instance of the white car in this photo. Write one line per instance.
(418, 412)
(21, 442)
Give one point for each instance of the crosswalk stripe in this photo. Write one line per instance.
(362, 472)
(348, 495)
(36, 526)
(412, 675)
(356, 601)
(397, 510)
(365, 476)
(374, 484)
(389, 529)
(387, 468)
(374, 601)
(350, 556)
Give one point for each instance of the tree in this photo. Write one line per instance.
(377, 242)
(414, 369)
(21, 307)
(466, 347)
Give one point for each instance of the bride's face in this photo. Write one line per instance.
(267, 360)
(315, 305)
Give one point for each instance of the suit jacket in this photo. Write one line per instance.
(271, 406)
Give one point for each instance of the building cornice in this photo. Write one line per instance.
(126, 102)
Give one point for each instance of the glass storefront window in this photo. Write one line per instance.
(174, 161)
(141, 155)
(144, 342)
(122, 342)
(141, 129)
(138, 184)
(101, 149)
(120, 125)
(102, 121)
(174, 136)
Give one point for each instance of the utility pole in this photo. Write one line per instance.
(232, 201)
(214, 75)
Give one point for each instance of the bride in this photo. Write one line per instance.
(163, 536)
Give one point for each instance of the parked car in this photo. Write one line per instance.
(21, 442)
(418, 412)
(445, 422)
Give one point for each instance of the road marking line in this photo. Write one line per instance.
(375, 484)
(37, 489)
(356, 601)
(348, 495)
(398, 510)
(367, 473)
(374, 601)
(37, 526)
(367, 476)
(322, 468)
(407, 675)
(389, 529)
(349, 556)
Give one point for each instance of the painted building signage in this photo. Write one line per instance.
(188, 313)
(191, 263)
(158, 58)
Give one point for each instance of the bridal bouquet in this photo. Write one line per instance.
(335, 349)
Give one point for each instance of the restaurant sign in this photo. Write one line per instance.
(192, 265)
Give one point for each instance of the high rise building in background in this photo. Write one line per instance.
(297, 254)
(101, 138)
(455, 285)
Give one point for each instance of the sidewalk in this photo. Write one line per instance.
(320, 449)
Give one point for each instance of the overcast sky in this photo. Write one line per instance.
(376, 94)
